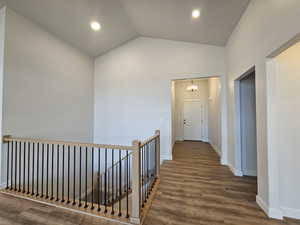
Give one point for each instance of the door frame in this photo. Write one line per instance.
(203, 118)
(224, 112)
(238, 171)
(274, 208)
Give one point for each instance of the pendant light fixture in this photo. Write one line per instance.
(193, 87)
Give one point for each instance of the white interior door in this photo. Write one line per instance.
(193, 120)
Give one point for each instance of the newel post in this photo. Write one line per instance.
(136, 183)
(5, 138)
(157, 132)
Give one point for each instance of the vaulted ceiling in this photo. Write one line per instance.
(123, 20)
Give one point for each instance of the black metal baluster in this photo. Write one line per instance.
(116, 166)
(155, 158)
(16, 165)
(47, 173)
(127, 183)
(147, 157)
(129, 175)
(112, 182)
(24, 167)
(108, 187)
(120, 183)
(7, 165)
(68, 201)
(52, 173)
(32, 182)
(154, 162)
(146, 172)
(80, 177)
(28, 172)
(74, 176)
(99, 180)
(57, 173)
(20, 144)
(86, 174)
(12, 165)
(105, 183)
(142, 173)
(43, 151)
(37, 169)
(151, 165)
(92, 178)
(63, 175)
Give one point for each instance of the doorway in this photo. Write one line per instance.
(283, 109)
(246, 106)
(190, 110)
(197, 112)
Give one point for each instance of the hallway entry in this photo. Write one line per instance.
(247, 117)
(196, 111)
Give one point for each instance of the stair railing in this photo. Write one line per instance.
(110, 179)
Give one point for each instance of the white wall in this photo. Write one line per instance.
(133, 87)
(286, 124)
(173, 96)
(181, 95)
(264, 27)
(2, 38)
(47, 85)
(214, 114)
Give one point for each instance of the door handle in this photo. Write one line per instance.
(184, 122)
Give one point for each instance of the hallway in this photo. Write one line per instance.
(194, 189)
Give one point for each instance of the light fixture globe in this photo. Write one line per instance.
(196, 13)
(193, 87)
(96, 26)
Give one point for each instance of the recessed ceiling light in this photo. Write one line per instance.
(196, 13)
(95, 25)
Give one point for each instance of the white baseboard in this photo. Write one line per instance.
(223, 161)
(252, 173)
(165, 157)
(262, 204)
(291, 213)
(235, 171)
(217, 150)
(271, 212)
(3, 185)
(205, 139)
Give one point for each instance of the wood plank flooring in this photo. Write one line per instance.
(194, 189)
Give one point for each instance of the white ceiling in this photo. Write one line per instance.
(123, 20)
(171, 19)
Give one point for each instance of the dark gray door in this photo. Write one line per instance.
(248, 125)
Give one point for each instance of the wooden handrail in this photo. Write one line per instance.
(103, 146)
(149, 140)
(44, 141)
